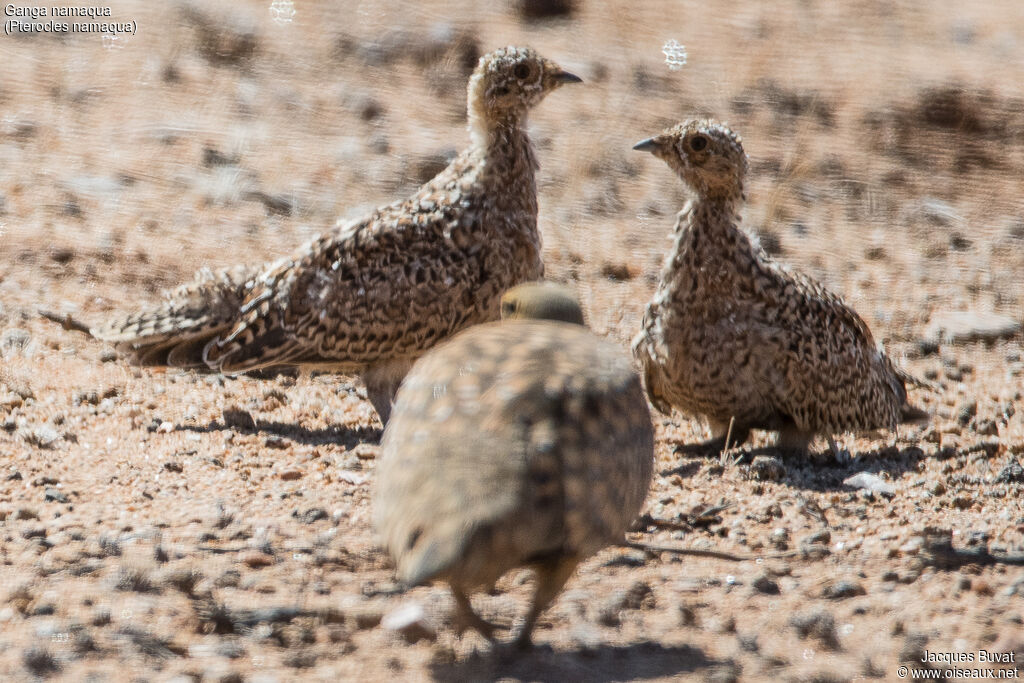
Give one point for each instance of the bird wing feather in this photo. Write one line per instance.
(387, 286)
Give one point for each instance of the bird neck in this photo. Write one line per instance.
(711, 217)
(507, 151)
(708, 240)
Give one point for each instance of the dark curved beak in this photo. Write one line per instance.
(564, 77)
(648, 145)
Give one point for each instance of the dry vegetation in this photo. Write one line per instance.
(161, 525)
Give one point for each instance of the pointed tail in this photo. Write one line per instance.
(175, 332)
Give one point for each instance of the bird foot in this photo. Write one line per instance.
(523, 642)
(710, 448)
(842, 455)
(485, 628)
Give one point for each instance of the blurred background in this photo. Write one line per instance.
(886, 140)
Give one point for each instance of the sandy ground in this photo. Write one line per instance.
(147, 534)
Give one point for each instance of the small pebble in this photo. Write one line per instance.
(55, 495)
(311, 515)
(274, 441)
(967, 411)
(365, 451)
(868, 481)
(910, 576)
(817, 624)
(779, 537)
(687, 615)
(1011, 473)
(820, 536)
(238, 419)
(767, 468)
(841, 590)
(39, 661)
(368, 617)
(765, 584)
(25, 513)
(256, 559)
(411, 622)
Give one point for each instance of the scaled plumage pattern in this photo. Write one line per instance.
(371, 296)
(517, 443)
(733, 336)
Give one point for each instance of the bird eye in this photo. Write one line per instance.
(521, 71)
(508, 308)
(698, 142)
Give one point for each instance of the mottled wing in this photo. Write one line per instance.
(606, 444)
(387, 287)
(833, 375)
(390, 286)
(650, 357)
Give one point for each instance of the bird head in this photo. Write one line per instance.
(541, 300)
(705, 154)
(508, 82)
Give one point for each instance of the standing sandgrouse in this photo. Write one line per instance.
(733, 336)
(517, 443)
(372, 295)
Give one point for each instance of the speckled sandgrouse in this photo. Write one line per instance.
(517, 443)
(733, 336)
(372, 295)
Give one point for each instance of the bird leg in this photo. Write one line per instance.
(382, 382)
(842, 457)
(792, 440)
(796, 443)
(723, 434)
(465, 617)
(551, 576)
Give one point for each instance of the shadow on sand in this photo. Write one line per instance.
(819, 471)
(827, 477)
(601, 665)
(341, 436)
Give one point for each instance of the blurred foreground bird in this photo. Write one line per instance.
(372, 295)
(738, 339)
(517, 443)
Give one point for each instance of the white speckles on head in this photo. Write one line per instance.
(503, 87)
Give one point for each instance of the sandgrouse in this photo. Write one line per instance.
(737, 338)
(372, 295)
(523, 442)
